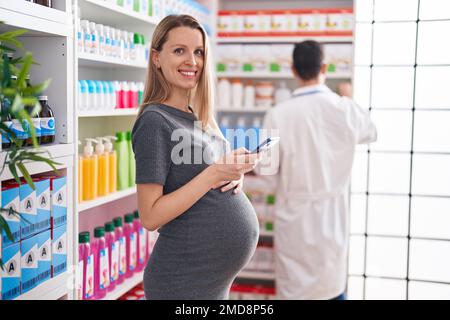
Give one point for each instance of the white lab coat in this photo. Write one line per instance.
(319, 131)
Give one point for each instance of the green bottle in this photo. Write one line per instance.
(123, 161)
(132, 165)
(136, 5)
(120, 3)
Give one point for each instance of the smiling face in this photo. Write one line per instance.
(181, 58)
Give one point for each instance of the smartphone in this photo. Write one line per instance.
(266, 144)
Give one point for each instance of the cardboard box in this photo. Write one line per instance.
(43, 204)
(11, 276)
(59, 250)
(59, 201)
(10, 199)
(45, 256)
(28, 210)
(29, 263)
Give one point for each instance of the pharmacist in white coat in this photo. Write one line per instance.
(319, 131)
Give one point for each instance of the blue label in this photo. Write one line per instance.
(79, 35)
(93, 37)
(108, 41)
(102, 39)
(5, 138)
(21, 132)
(87, 36)
(48, 126)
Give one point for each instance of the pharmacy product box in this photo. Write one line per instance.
(27, 209)
(58, 191)
(43, 204)
(45, 256)
(11, 275)
(10, 199)
(59, 250)
(29, 263)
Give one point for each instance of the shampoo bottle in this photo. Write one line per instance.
(103, 168)
(90, 171)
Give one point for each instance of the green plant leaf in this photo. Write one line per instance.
(12, 168)
(25, 70)
(26, 174)
(5, 227)
(12, 34)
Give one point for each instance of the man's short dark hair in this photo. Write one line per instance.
(308, 59)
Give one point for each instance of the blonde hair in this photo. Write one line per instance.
(157, 88)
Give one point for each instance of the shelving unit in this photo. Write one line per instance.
(94, 61)
(244, 110)
(126, 286)
(106, 199)
(275, 39)
(49, 37)
(53, 289)
(274, 75)
(256, 275)
(108, 113)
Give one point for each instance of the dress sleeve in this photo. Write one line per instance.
(152, 147)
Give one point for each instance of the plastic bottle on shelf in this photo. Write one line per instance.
(103, 168)
(84, 95)
(87, 36)
(237, 91)
(113, 43)
(86, 266)
(107, 33)
(134, 95)
(123, 161)
(224, 125)
(113, 249)
(99, 93)
(111, 95)
(90, 171)
(101, 263)
(118, 231)
(138, 48)
(94, 39)
(128, 4)
(141, 242)
(131, 248)
(112, 163)
(249, 95)
(36, 121)
(91, 96)
(282, 93)
(126, 45)
(224, 88)
(47, 121)
(101, 39)
(143, 7)
(141, 88)
(125, 94)
(132, 46)
(145, 49)
(132, 163)
(80, 36)
(119, 94)
(106, 96)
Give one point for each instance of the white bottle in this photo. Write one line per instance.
(133, 54)
(143, 7)
(249, 95)
(94, 39)
(113, 43)
(237, 91)
(107, 33)
(224, 93)
(282, 93)
(126, 45)
(80, 36)
(101, 39)
(128, 4)
(134, 94)
(87, 36)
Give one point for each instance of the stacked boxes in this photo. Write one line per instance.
(38, 251)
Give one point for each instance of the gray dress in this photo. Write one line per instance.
(199, 253)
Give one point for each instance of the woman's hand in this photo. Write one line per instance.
(231, 168)
(237, 185)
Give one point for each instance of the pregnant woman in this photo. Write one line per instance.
(188, 183)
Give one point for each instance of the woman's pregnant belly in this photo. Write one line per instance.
(217, 236)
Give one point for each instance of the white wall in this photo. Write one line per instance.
(400, 217)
